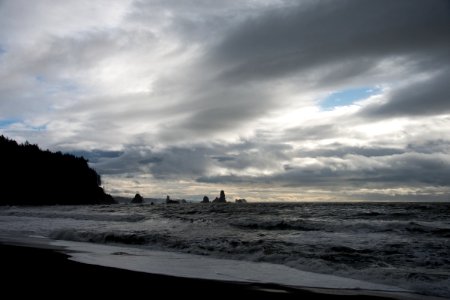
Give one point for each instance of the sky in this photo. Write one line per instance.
(305, 100)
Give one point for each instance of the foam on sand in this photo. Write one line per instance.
(201, 267)
(195, 266)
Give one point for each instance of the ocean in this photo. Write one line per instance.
(406, 245)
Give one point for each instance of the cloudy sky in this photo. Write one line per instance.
(266, 99)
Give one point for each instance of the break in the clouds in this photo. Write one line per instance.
(267, 99)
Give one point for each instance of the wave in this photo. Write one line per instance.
(373, 241)
(346, 226)
(129, 238)
(369, 262)
(418, 228)
(78, 216)
(298, 225)
(208, 245)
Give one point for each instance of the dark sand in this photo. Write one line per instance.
(37, 272)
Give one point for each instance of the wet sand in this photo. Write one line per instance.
(40, 272)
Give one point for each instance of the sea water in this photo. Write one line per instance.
(401, 244)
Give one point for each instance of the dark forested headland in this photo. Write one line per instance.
(31, 176)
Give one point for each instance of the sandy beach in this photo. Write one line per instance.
(41, 272)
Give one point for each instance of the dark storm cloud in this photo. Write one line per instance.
(178, 163)
(191, 161)
(336, 33)
(339, 150)
(409, 169)
(173, 162)
(335, 165)
(223, 158)
(430, 146)
(94, 156)
(427, 97)
(261, 156)
(127, 163)
(396, 170)
(217, 109)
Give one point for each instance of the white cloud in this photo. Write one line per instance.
(230, 91)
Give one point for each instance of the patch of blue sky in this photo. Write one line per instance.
(40, 79)
(348, 97)
(5, 123)
(2, 50)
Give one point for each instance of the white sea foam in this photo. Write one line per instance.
(195, 266)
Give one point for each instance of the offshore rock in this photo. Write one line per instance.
(137, 199)
(240, 201)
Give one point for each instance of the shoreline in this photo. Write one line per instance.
(44, 270)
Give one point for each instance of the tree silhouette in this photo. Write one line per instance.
(31, 176)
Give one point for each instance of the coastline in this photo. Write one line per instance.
(45, 270)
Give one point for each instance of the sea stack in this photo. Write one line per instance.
(205, 199)
(221, 198)
(137, 199)
(170, 201)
